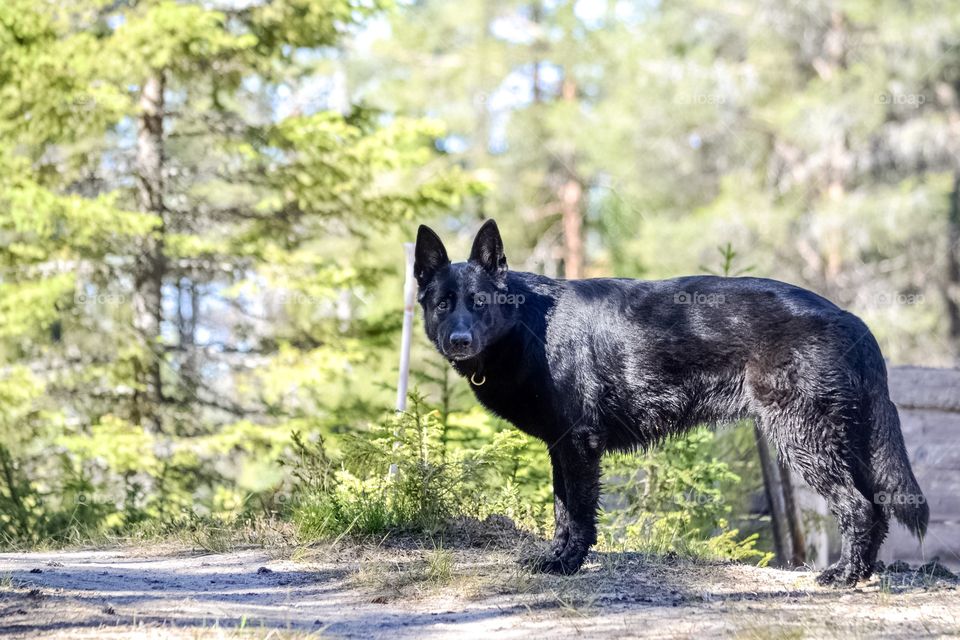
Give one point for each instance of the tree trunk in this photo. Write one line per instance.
(480, 148)
(150, 267)
(570, 197)
(536, 17)
(571, 203)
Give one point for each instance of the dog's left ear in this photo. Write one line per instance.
(488, 251)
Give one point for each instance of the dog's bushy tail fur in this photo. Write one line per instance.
(896, 487)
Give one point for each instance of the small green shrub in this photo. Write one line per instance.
(675, 499)
(405, 473)
(398, 475)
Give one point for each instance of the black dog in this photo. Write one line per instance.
(613, 364)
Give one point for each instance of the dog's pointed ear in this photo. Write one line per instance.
(488, 251)
(429, 256)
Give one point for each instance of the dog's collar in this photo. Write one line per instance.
(476, 376)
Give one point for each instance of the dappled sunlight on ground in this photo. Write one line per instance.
(416, 590)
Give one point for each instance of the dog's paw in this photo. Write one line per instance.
(557, 566)
(839, 576)
(552, 563)
(535, 561)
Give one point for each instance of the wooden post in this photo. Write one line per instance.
(798, 545)
(409, 299)
(771, 487)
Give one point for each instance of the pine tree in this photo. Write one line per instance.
(179, 211)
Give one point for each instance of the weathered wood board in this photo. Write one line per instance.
(929, 404)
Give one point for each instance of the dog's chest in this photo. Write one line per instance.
(523, 405)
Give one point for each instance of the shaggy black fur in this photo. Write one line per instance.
(595, 365)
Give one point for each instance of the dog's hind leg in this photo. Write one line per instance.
(878, 533)
(855, 518)
(822, 455)
(812, 409)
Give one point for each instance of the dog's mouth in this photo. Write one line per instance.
(457, 354)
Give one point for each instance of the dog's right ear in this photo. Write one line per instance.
(430, 255)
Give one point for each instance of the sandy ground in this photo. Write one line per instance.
(356, 591)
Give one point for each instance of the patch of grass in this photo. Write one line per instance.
(211, 535)
(212, 538)
(203, 533)
(439, 566)
(402, 577)
(576, 604)
(886, 584)
(394, 569)
(774, 632)
(248, 633)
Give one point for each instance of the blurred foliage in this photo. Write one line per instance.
(817, 138)
(267, 320)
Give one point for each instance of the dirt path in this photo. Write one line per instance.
(365, 592)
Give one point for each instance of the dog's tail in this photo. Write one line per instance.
(895, 486)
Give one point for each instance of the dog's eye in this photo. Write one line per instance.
(442, 305)
(479, 302)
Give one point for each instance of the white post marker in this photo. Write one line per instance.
(409, 294)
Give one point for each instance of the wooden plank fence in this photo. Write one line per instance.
(929, 404)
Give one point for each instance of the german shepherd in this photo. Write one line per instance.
(611, 364)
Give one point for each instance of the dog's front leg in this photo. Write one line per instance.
(561, 515)
(576, 462)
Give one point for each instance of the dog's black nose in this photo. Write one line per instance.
(460, 339)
